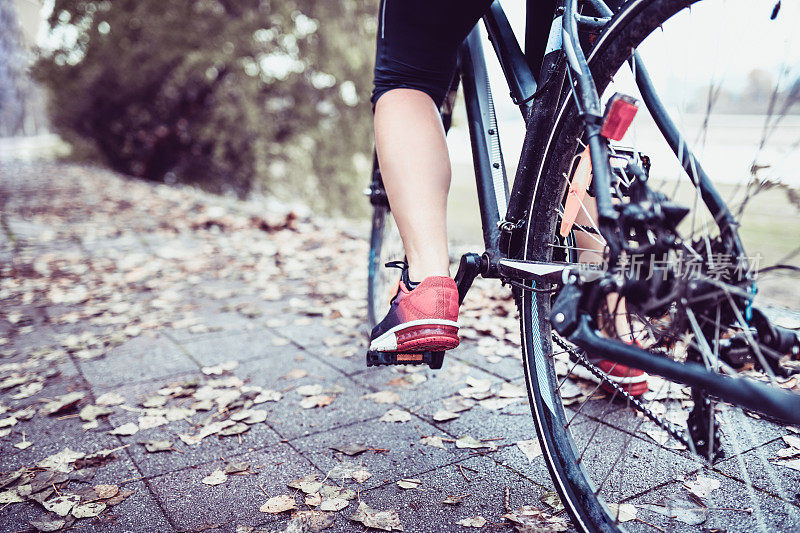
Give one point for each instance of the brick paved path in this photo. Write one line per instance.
(180, 314)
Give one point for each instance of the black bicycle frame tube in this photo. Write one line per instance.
(521, 81)
(716, 205)
(589, 106)
(739, 391)
(490, 171)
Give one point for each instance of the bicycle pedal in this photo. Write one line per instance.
(433, 359)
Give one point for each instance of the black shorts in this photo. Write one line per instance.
(418, 44)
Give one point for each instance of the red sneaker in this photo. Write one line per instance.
(632, 380)
(421, 319)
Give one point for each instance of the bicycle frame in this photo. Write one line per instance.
(503, 213)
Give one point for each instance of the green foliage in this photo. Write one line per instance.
(238, 95)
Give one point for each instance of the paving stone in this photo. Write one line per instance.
(405, 457)
(140, 359)
(438, 384)
(139, 512)
(482, 481)
(192, 505)
(508, 367)
(49, 436)
(625, 464)
(216, 348)
(762, 472)
(287, 417)
(772, 515)
(210, 448)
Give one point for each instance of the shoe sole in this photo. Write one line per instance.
(418, 336)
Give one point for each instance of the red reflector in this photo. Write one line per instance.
(619, 114)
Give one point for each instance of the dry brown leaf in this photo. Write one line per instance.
(385, 520)
(279, 504)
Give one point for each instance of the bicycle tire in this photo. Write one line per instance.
(632, 24)
(384, 245)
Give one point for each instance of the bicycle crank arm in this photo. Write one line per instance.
(576, 327)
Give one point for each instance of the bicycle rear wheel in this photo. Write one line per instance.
(609, 451)
(384, 245)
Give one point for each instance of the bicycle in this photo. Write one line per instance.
(717, 354)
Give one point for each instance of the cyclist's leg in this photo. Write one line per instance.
(415, 166)
(416, 58)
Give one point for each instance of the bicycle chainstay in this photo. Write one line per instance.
(639, 406)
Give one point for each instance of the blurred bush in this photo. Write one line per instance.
(241, 95)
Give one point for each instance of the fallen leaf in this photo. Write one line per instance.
(530, 448)
(26, 391)
(279, 504)
(332, 492)
(624, 512)
(409, 483)
(23, 444)
(309, 390)
(88, 510)
(361, 475)
(455, 404)
(529, 518)
(468, 441)
(119, 498)
(153, 446)
(62, 505)
(236, 429)
(237, 468)
(220, 369)
(553, 500)
(61, 461)
(8, 422)
(702, 486)
(250, 416)
(350, 449)
(679, 507)
(149, 422)
(109, 399)
(48, 523)
(296, 373)
(106, 491)
(131, 428)
(10, 496)
(312, 500)
(495, 404)
(455, 499)
(385, 520)
(509, 390)
(334, 504)
(316, 401)
(395, 415)
(477, 521)
(61, 403)
(792, 440)
(443, 415)
(794, 464)
(385, 396)
(155, 401)
(217, 477)
(268, 396)
(434, 441)
(90, 412)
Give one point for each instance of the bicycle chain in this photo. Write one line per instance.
(676, 433)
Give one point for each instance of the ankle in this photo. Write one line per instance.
(418, 275)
